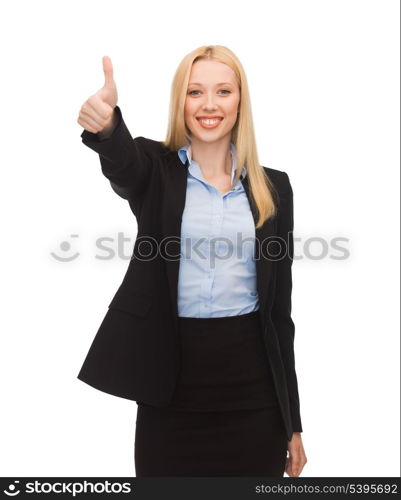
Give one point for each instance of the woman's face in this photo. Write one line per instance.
(212, 92)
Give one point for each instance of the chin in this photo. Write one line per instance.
(207, 138)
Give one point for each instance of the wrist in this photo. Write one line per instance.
(108, 130)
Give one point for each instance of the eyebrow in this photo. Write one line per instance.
(221, 83)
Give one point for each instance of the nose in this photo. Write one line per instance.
(209, 104)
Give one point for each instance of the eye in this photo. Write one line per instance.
(223, 90)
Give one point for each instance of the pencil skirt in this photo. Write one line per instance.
(224, 417)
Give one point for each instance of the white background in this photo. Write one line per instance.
(324, 83)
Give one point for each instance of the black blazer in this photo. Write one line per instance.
(135, 353)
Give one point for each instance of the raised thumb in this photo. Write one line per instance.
(108, 72)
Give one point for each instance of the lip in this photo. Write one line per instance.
(203, 125)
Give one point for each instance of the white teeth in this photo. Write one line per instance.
(210, 122)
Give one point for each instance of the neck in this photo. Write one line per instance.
(214, 158)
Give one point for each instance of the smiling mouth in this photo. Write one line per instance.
(210, 122)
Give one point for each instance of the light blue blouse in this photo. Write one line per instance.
(217, 273)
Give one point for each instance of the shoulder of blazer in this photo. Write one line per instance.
(152, 147)
(280, 180)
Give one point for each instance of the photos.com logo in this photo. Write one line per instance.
(69, 488)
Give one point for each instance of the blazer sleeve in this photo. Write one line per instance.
(281, 308)
(124, 160)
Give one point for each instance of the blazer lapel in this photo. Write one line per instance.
(175, 189)
(264, 266)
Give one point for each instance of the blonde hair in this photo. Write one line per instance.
(242, 135)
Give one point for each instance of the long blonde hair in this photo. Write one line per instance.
(243, 136)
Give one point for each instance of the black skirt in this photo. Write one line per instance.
(224, 418)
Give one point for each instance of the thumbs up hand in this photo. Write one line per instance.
(97, 112)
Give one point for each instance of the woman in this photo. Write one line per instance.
(199, 333)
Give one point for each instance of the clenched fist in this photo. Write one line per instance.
(97, 113)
